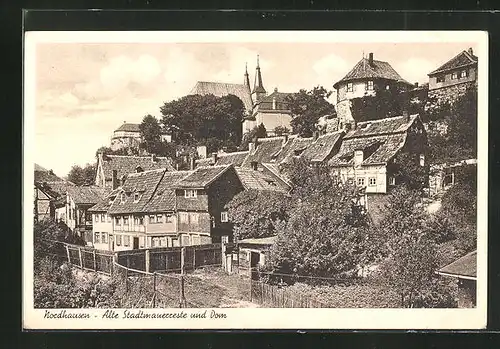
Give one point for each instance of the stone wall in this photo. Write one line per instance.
(451, 93)
(343, 110)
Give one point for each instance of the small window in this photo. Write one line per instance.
(156, 242)
(463, 74)
(104, 238)
(361, 181)
(454, 76)
(349, 87)
(193, 218)
(388, 87)
(97, 239)
(169, 218)
(126, 240)
(183, 217)
(392, 181)
(152, 218)
(118, 240)
(141, 241)
(223, 217)
(372, 181)
(136, 197)
(190, 193)
(422, 160)
(117, 220)
(108, 218)
(103, 217)
(125, 220)
(96, 218)
(141, 220)
(159, 218)
(440, 78)
(350, 180)
(369, 85)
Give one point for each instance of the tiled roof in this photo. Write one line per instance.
(125, 164)
(59, 188)
(323, 147)
(252, 179)
(220, 89)
(126, 127)
(395, 124)
(464, 266)
(276, 170)
(363, 70)
(233, 158)
(143, 183)
(265, 150)
(266, 103)
(163, 199)
(294, 147)
(202, 176)
(463, 59)
(104, 204)
(86, 195)
(376, 149)
(44, 175)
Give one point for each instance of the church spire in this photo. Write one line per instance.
(246, 81)
(258, 88)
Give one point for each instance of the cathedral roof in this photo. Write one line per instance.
(221, 89)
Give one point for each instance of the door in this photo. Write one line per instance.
(254, 262)
(136, 243)
(111, 243)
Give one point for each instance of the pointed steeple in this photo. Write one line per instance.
(258, 89)
(246, 81)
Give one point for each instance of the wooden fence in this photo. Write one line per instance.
(273, 296)
(87, 258)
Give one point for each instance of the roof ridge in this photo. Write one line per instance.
(137, 156)
(231, 153)
(137, 174)
(385, 119)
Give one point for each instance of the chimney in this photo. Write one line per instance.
(416, 84)
(347, 126)
(285, 138)
(214, 158)
(191, 163)
(153, 158)
(406, 115)
(274, 102)
(315, 135)
(275, 89)
(470, 51)
(114, 180)
(358, 157)
(370, 58)
(122, 180)
(251, 146)
(254, 165)
(354, 124)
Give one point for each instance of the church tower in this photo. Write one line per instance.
(246, 81)
(258, 89)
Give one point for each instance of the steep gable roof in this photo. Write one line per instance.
(463, 59)
(323, 147)
(252, 179)
(163, 199)
(142, 183)
(294, 147)
(125, 164)
(44, 175)
(464, 266)
(127, 127)
(86, 195)
(58, 188)
(202, 176)
(220, 89)
(380, 141)
(105, 203)
(264, 151)
(363, 70)
(234, 158)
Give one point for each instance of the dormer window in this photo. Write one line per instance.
(224, 217)
(454, 76)
(122, 198)
(422, 160)
(369, 85)
(190, 193)
(463, 74)
(350, 87)
(440, 78)
(137, 196)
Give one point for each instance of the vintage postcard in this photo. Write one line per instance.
(255, 180)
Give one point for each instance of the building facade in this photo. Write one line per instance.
(452, 79)
(366, 78)
(128, 135)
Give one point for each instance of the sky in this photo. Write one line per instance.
(84, 91)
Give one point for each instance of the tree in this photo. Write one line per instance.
(150, 134)
(257, 132)
(82, 175)
(281, 130)
(409, 253)
(326, 232)
(195, 118)
(255, 213)
(307, 107)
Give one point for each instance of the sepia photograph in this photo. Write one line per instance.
(206, 176)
